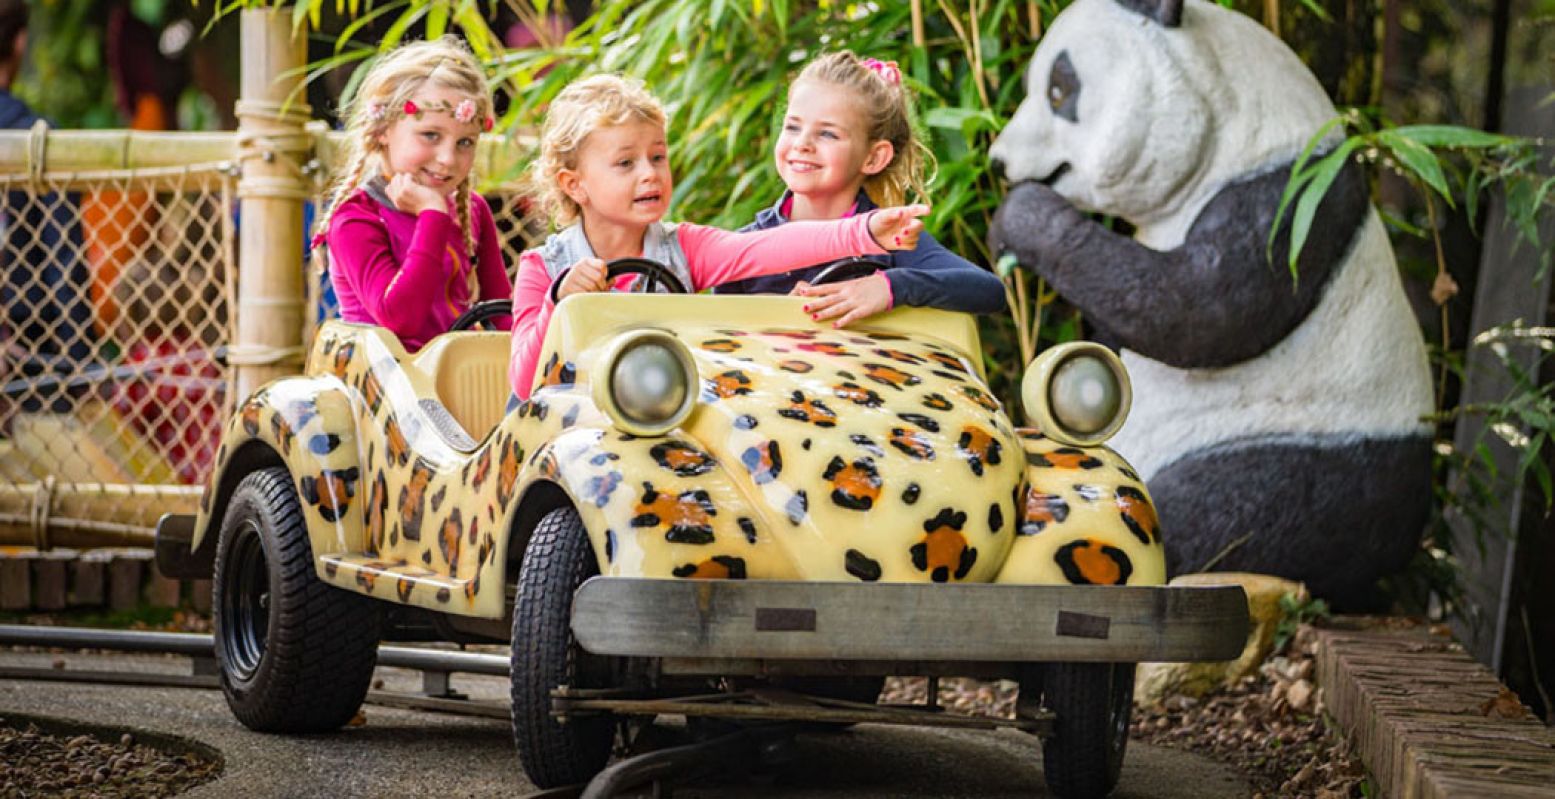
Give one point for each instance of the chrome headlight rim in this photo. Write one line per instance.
(603, 388)
(1037, 388)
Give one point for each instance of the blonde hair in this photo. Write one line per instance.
(392, 80)
(583, 107)
(887, 116)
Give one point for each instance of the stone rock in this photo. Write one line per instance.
(1153, 682)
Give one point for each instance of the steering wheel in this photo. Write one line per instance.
(655, 272)
(482, 312)
(846, 269)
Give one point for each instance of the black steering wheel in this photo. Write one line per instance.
(846, 269)
(482, 312)
(655, 272)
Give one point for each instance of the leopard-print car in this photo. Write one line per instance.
(757, 494)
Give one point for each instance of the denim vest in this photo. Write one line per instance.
(660, 243)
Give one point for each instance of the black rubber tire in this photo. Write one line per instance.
(546, 656)
(294, 654)
(1093, 702)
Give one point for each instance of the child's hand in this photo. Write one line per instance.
(851, 299)
(412, 197)
(897, 228)
(587, 274)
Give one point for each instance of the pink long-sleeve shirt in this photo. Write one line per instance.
(713, 256)
(407, 272)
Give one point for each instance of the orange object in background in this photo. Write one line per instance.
(115, 226)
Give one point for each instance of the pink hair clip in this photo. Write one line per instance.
(464, 112)
(887, 70)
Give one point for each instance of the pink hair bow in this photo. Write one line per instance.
(887, 70)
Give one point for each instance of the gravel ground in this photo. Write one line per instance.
(1272, 728)
(36, 763)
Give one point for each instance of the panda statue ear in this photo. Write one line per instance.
(1166, 12)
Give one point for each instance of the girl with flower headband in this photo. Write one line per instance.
(410, 244)
(603, 173)
(847, 146)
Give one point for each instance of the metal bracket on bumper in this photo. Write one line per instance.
(905, 621)
(176, 559)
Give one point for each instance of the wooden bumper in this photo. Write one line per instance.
(897, 621)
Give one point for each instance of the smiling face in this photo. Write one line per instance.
(437, 150)
(824, 150)
(622, 176)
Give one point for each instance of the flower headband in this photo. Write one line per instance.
(463, 112)
(887, 70)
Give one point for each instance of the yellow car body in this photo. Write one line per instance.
(873, 453)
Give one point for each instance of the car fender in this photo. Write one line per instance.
(1085, 518)
(308, 425)
(655, 507)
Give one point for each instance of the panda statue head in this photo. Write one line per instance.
(1142, 108)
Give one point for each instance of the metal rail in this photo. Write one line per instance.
(202, 645)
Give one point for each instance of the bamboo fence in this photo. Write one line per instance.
(145, 292)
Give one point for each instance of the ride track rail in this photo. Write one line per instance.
(776, 713)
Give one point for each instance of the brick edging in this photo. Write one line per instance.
(1427, 720)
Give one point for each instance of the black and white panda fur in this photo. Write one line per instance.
(1286, 417)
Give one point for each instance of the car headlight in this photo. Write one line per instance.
(1077, 393)
(646, 382)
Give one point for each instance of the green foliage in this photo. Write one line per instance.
(1525, 420)
(1441, 161)
(1294, 612)
(67, 81)
(722, 69)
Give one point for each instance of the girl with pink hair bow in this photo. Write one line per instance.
(847, 147)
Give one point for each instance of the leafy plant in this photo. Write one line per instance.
(1451, 165)
(1294, 612)
(67, 80)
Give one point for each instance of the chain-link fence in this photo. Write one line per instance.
(118, 301)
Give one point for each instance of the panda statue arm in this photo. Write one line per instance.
(1215, 300)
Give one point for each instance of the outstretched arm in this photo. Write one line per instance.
(717, 256)
(1216, 300)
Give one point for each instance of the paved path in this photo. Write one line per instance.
(411, 753)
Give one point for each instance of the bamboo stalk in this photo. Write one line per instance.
(85, 515)
(100, 150)
(271, 305)
(170, 159)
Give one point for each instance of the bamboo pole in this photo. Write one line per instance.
(85, 515)
(271, 302)
(157, 159)
(97, 150)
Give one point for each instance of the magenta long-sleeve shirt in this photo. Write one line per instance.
(713, 256)
(407, 272)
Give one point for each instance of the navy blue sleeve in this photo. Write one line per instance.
(931, 276)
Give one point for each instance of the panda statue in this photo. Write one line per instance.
(1277, 419)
